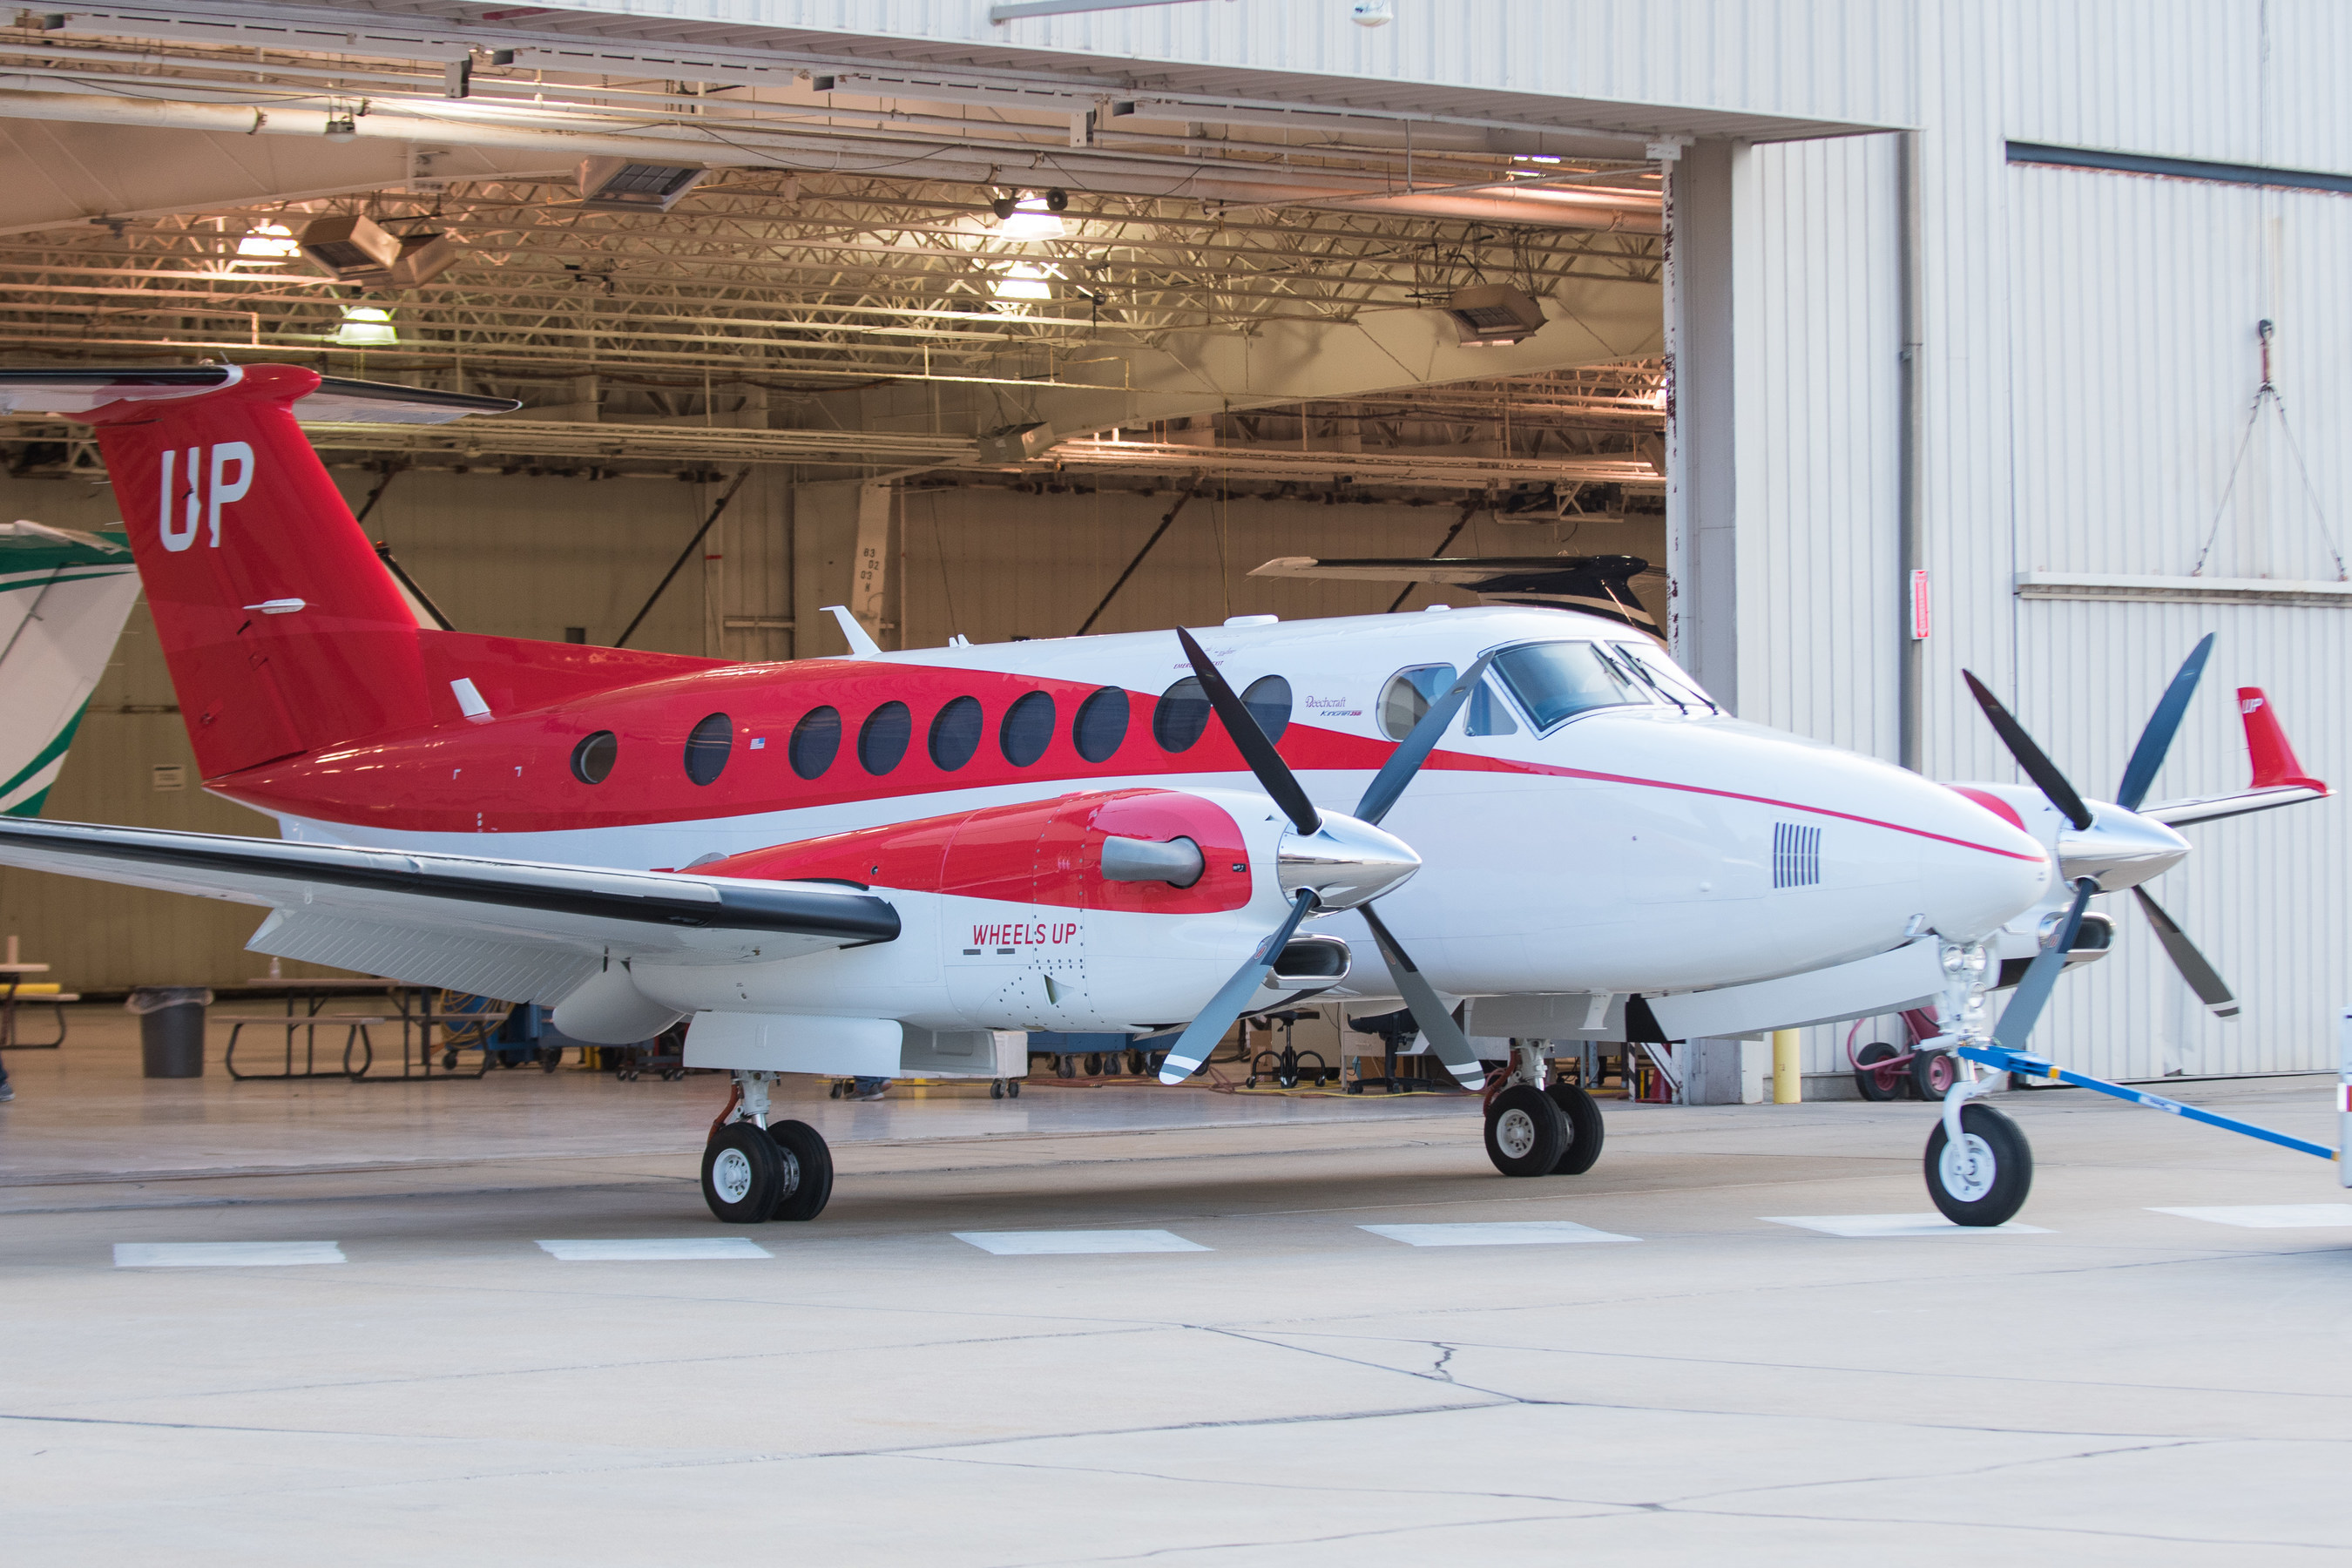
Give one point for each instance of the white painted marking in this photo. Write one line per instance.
(222, 1254)
(1868, 1225)
(1059, 1243)
(470, 699)
(1501, 1233)
(2275, 1216)
(654, 1250)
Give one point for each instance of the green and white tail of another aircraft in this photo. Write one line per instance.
(64, 596)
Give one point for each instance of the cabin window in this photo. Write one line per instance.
(1027, 729)
(955, 734)
(1409, 694)
(593, 758)
(1101, 724)
(1181, 716)
(707, 746)
(882, 739)
(1557, 681)
(1268, 701)
(815, 738)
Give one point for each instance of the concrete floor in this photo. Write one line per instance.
(2122, 1385)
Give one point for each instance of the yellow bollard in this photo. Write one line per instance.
(1787, 1086)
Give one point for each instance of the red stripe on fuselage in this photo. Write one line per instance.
(513, 774)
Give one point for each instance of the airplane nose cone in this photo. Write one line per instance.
(2119, 849)
(1347, 862)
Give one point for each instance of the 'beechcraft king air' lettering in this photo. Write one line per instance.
(229, 468)
(1023, 933)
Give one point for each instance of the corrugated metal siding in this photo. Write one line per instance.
(1818, 498)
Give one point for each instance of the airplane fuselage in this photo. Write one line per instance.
(1641, 842)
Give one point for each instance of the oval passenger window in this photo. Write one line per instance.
(815, 738)
(955, 734)
(1101, 724)
(1027, 729)
(1268, 701)
(594, 757)
(1409, 692)
(882, 739)
(1181, 716)
(707, 747)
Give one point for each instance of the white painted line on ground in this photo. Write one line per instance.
(222, 1254)
(1870, 1225)
(1500, 1233)
(1056, 1243)
(2275, 1216)
(656, 1249)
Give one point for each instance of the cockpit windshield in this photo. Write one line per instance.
(1557, 681)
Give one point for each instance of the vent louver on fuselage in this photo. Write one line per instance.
(1796, 856)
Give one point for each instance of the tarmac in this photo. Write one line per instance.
(491, 1322)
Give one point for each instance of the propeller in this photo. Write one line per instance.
(2139, 776)
(1281, 785)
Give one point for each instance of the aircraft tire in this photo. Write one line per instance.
(1878, 1083)
(1527, 1132)
(803, 1155)
(741, 1174)
(1986, 1182)
(1933, 1072)
(1585, 1130)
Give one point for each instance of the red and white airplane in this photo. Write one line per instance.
(865, 864)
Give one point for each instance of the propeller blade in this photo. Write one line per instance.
(2185, 957)
(2140, 773)
(2037, 765)
(1445, 1037)
(2024, 1009)
(1232, 999)
(1273, 774)
(1406, 760)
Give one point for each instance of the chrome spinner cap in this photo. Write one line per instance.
(1347, 862)
(2119, 849)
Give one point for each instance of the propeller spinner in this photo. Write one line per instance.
(1333, 862)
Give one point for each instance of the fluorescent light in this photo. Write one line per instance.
(1030, 221)
(1021, 280)
(366, 327)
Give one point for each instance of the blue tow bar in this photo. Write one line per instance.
(2001, 1060)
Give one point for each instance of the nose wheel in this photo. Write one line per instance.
(1983, 1179)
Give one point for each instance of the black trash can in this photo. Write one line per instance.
(170, 1029)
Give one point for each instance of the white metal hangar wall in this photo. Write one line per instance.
(1959, 285)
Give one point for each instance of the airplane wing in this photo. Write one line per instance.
(517, 929)
(1596, 585)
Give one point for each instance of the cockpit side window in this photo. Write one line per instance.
(1489, 714)
(1557, 680)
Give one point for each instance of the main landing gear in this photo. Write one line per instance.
(755, 1171)
(1535, 1129)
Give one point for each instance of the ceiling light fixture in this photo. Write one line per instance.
(365, 327)
(1031, 215)
(268, 245)
(1021, 280)
(341, 128)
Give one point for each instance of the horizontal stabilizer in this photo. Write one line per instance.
(337, 400)
(2278, 777)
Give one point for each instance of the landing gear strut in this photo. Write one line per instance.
(1539, 1130)
(755, 1171)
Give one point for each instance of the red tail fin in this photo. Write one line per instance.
(2274, 759)
(283, 631)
